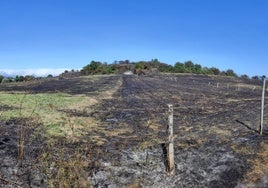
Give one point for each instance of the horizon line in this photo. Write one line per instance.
(38, 72)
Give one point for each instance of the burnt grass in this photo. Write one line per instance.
(216, 122)
(74, 86)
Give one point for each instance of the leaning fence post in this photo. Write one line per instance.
(170, 154)
(262, 105)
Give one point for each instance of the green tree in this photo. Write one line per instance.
(189, 66)
(109, 69)
(255, 77)
(244, 76)
(139, 65)
(170, 68)
(197, 68)
(230, 72)
(155, 61)
(215, 71)
(50, 76)
(19, 78)
(163, 67)
(205, 70)
(94, 65)
(1, 78)
(179, 67)
(91, 68)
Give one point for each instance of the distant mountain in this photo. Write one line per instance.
(33, 72)
(4, 74)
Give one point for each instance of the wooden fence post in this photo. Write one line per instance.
(262, 105)
(170, 154)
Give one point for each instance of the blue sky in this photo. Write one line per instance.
(38, 35)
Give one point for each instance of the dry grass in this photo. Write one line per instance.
(259, 165)
(65, 172)
(191, 141)
(220, 132)
(247, 86)
(153, 124)
(239, 100)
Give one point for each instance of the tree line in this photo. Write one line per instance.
(21, 78)
(139, 67)
(97, 67)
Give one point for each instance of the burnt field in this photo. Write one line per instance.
(118, 139)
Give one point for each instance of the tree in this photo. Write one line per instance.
(50, 76)
(109, 69)
(94, 65)
(223, 73)
(155, 61)
(139, 65)
(206, 70)
(197, 68)
(91, 68)
(244, 76)
(263, 77)
(163, 67)
(255, 77)
(124, 61)
(215, 71)
(101, 69)
(179, 67)
(230, 72)
(1, 78)
(19, 78)
(189, 66)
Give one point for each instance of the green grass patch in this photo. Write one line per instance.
(45, 108)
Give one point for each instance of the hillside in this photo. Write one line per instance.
(111, 131)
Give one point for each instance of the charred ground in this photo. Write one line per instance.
(216, 123)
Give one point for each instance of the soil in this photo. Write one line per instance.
(216, 136)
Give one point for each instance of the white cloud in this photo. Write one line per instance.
(34, 72)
